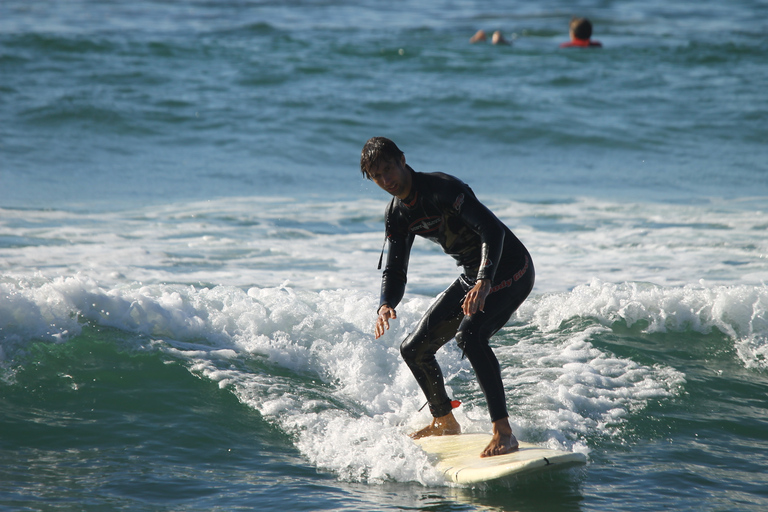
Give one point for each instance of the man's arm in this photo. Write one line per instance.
(394, 278)
(395, 275)
(492, 233)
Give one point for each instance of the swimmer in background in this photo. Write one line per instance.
(581, 34)
(480, 36)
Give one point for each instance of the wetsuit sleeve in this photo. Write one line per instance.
(394, 278)
(491, 231)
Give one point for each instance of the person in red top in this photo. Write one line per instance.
(581, 34)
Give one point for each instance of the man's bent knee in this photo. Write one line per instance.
(467, 339)
(412, 349)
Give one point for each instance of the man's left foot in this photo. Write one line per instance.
(503, 440)
(501, 444)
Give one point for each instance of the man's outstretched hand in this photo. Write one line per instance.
(386, 314)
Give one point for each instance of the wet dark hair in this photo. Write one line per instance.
(377, 150)
(582, 28)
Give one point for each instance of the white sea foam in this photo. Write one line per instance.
(267, 241)
(741, 312)
(566, 385)
(348, 399)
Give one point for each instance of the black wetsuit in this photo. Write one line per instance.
(443, 209)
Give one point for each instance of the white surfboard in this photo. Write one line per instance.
(459, 458)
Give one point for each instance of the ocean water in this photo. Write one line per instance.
(188, 251)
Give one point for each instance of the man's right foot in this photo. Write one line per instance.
(442, 426)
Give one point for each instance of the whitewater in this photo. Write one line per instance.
(277, 307)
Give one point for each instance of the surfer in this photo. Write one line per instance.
(498, 276)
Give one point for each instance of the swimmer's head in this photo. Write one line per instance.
(581, 28)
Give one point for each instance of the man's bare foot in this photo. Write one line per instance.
(503, 441)
(442, 426)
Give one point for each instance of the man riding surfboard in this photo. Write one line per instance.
(498, 276)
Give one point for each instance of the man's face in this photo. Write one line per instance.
(393, 177)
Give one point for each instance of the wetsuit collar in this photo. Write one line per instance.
(413, 196)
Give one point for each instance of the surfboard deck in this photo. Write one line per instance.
(459, 458)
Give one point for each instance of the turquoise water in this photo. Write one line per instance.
(188, 252)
